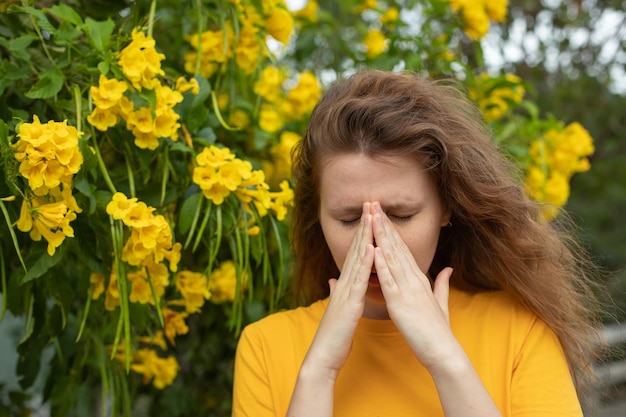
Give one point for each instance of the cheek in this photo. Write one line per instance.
(339, 242)
(422, 244)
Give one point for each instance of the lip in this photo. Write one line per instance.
(374, 279)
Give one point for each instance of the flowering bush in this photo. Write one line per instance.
(152, 204)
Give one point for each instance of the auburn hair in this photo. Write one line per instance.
(498, 239)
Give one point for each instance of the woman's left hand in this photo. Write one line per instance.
(418, 311)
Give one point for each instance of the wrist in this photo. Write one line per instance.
(313, 372)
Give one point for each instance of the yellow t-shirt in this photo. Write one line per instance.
(518, 358)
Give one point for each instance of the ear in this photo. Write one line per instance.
(445, 217)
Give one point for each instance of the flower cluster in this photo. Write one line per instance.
(375, 41)
(151, 238)
(214, 48)
(220, 173)
(49, 156)
(114, 100)
(555, 157)
(223, 282)
(281, 106)
(476, 14)
(146, 361)
(496, 96)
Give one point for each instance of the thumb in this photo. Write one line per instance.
(332, 283)
(441, 289)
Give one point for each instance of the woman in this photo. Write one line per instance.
(431, 283)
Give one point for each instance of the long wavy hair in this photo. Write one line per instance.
(498, 239)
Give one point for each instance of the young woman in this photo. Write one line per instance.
(431, 283)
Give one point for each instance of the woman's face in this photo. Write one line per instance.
(406, 194)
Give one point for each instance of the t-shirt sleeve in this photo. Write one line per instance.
(251, 389)
(542, 385)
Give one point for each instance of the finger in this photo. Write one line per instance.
(399, 258)
(441, 289)
(385, 276)
(363, 236)
(332, 283)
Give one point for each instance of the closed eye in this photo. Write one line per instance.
(350, 222)
(400, 219)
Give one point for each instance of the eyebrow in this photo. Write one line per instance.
(399, 207)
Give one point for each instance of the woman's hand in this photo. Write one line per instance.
(332, 342)
(418, 311)
(313, 393)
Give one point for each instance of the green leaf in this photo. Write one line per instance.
(38, 15)
(188, 212)
(48, 85)
(65, 12)
(42, 264)
(22, 42)
(99, 33)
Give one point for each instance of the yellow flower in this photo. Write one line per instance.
(108, 92)
(112, 295)
(161, 371)
(304, 96)
(174, 324)
(48, 220)
(97, 281)
(391, 15)
(140, 62)
(239, 118)
(214, 48)
(497, 9)
(269, 119)
(48, 154)
(375, 43)
(475, 20)
(309, 11)
(120, 206)
(248, 49)
(223, 282)
(157, 340)
(219, 173)
(182, 85)
(193, 287)
(255, 189)
(102, 119)
(140, 280)
(281, 156)
(280, 24)
(269, 84)
(282, 200)
(214, 156)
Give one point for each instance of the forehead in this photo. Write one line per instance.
(353, 178)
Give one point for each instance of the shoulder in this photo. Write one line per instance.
(495, 315)
(301, 322)
(488, 306)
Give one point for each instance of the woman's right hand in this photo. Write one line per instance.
(333, 340)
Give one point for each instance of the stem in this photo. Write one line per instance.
(151, 17)
(165, 176)
(129, 169)
(194, 222)
(16, 245)
(157, 303)
(218, 114)
(79, 107)
(3, 275)
(199, 46)
(101, 165)
(85, 314)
